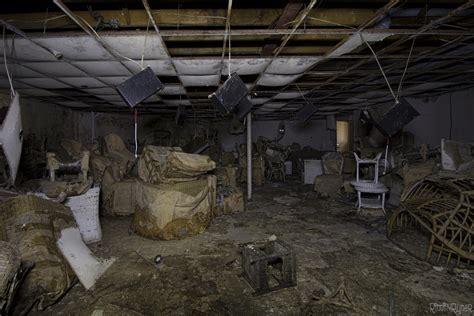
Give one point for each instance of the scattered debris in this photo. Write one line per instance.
(328, 184)
(87, 267)
(286, 200)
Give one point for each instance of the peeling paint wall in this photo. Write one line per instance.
(434, 120)
(314, 134)
(46, 121)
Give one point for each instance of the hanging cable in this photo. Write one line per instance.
(405, 70)
(144, 43)
(12, 90)
(380, 66)
(450, 115)
(136, 132)
(101, 40)
(228, 66)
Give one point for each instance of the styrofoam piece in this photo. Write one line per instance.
(85, 209)
(273, 105)
(56, 69)
(289, 95)
(4, 83)
(291, 65)
(312, 169)
(83, 82)
(11, 138)
(132, 46)
(85, 264)
(355, 40)
(81, 47)
(103, 68)
(25, 50)
(208, 80)
(245, 66)
(100, 91)
(197, 66)
(113, 81)
(172, 89)
(18, 71)
(44, 83)
(36, 92)
(159, 67)
(271, 80)
(257, 101)
(113, 98)
(177, 102)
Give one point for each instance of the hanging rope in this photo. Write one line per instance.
(380, 67)
(405, 70)
(136, 132)
(12, 90)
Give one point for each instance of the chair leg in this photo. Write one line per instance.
(383, 204)
(359, 198)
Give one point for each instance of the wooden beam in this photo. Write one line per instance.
(291, 10)
(256, 17)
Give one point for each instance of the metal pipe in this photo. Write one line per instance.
(249, 157)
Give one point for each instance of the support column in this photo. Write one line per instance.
(249, 156)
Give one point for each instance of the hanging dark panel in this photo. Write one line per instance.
(306, 112)
(139, 87)
(397, 117)
(180, 115)
(243, 108)
(230, 94)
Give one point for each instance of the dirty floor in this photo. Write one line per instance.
(201, 275)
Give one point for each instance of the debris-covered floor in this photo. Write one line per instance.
(202, 274)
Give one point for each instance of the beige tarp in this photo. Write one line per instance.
(169, 164)
(33, 224)
(119, 198)
(174, 211)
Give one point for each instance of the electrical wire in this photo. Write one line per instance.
(330, 22)
(450, 115)
(228, 66)
(136, 132)
(105, 44)
(39, 21)
(405, 70)
(144, 43)
(380, 66)
(12, 90)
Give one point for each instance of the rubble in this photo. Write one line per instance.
(328, 184)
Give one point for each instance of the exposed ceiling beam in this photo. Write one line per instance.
(86, 28)
(290, 12)
(421, 30)
(157, 30)
(256, 17)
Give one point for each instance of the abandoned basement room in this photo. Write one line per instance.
(272, 157)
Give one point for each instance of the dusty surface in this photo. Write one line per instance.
(201, 275)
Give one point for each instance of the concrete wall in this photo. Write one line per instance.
(312, 134)
(43, 121)
(434, 120)
(54, 123)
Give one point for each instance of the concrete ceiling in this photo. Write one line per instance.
(320, 55)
